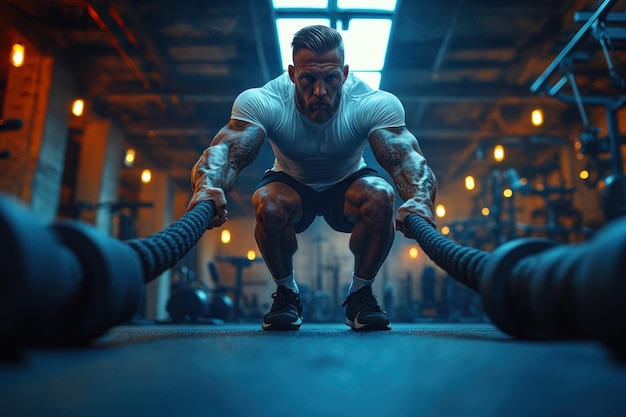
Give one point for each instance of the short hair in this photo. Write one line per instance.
(319, 39)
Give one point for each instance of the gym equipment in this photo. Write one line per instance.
(5, 125)
(193, 301)
(536, 289)
(66, 284)
(240, 263)
(10, 124)
(188, 304)
(613, 198)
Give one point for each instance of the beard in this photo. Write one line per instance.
(318, 111)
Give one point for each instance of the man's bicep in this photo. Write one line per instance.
(243, 140)
(391, 145)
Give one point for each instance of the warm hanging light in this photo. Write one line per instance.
(498, 153)
(485, 211)
(413, 252)
(78, 107)
(584, 174)
(536, 117)
(225, 236)
(440, 210)
(129, 158)
(17, 55)
(507, 193)
(251, 255)
(146, 176)
(470, 184)
(445, 230)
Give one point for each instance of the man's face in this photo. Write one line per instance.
(319, 81)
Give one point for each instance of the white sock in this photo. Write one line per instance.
(289, 282)
(358, 283)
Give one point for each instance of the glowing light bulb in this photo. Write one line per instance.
(129, 158)
(146, 176)
(17, 55)
(498, 153)
(78, 107)
(440, 210)
(536, 117)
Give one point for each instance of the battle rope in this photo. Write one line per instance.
(162, 250)
(463, 263)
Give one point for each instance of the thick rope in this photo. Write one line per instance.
(162, 250)
(465, 264)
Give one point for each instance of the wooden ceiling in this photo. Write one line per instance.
(169, 70)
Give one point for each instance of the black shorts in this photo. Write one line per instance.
(328, 203)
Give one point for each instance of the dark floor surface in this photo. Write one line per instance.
(416, 370)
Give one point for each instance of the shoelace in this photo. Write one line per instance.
(282, 299)
(366, 299)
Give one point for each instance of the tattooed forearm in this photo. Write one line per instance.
(233, 148)
(398, 152)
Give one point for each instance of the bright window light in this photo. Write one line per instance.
(360, 4)
(370, 78)
(365, 40)
(308, 4)
(286, 29)
(366, 43)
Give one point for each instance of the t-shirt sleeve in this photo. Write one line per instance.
(256, 106)
(383, 109)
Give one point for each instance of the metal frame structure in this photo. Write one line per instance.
(596, 23)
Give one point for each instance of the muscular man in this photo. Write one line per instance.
(318, 118)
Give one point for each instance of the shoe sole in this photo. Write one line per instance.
(282, 326)
(356, 326)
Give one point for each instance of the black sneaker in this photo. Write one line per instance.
(363, 311)
(286, 311)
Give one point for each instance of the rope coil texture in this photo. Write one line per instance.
(162, 250)
(463, 263)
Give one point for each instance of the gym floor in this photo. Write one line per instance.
(236, 369)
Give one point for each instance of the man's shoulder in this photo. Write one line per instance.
(279, 86)
(359, 90)
(274, 90)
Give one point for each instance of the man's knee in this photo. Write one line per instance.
(275, 205)
(372, 199)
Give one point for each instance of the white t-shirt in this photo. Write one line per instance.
(318, 155)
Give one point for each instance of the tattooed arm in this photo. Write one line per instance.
(234, 147)
(398, 152)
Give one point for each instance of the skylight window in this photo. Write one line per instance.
(365, 30)
(300, 4)
(389, 5)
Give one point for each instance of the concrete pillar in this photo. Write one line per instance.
(98, 170)
(160, 192)
(40, 94)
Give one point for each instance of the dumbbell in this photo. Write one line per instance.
(65, 284)
(536, 289)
